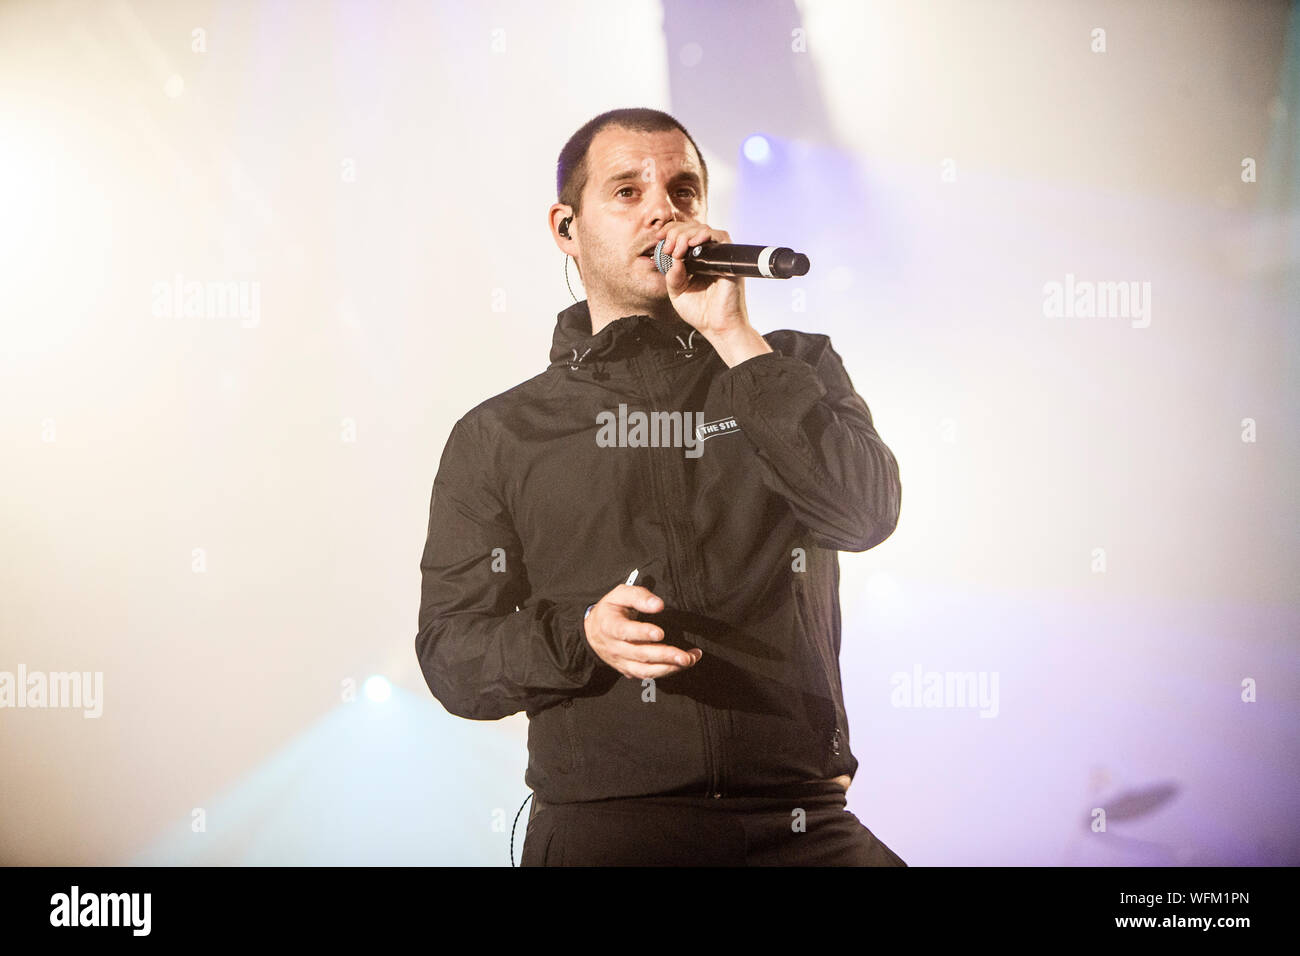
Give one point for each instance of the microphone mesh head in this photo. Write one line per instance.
(662, 262)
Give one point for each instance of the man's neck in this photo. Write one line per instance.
(603, 313)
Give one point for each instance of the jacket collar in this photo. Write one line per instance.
(573, 344)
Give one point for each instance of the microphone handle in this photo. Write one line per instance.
(732, 259)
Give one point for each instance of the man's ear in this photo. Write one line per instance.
(560, 220)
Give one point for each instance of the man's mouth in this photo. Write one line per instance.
(649, 251)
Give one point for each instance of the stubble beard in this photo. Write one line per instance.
(629, 293)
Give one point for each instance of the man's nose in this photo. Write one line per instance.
(661, 208)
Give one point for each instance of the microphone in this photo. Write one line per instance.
(729, 259)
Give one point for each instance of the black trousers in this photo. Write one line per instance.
(811, 828)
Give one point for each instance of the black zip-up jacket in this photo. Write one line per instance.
(535, 516)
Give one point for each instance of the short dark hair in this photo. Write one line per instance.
(571, 170)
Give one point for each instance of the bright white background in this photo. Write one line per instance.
(380, 174)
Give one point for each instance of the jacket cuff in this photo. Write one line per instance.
(775, 368)
(755, 363)
(591, 660)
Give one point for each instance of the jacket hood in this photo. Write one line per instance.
(573, 344)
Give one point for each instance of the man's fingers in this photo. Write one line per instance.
(636, 597)
(636, 632)
(659, 655)
(642, 669)
(652, 671)
(643, 598)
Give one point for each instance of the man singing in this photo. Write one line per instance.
(638, 546)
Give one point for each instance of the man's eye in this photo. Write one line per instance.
(686, 192)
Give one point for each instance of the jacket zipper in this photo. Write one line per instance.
(662, 481)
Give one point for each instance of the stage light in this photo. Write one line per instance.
(757, 149)
(378, 689)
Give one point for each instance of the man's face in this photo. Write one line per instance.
(635, 183)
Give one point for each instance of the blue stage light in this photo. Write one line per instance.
(757, 149)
